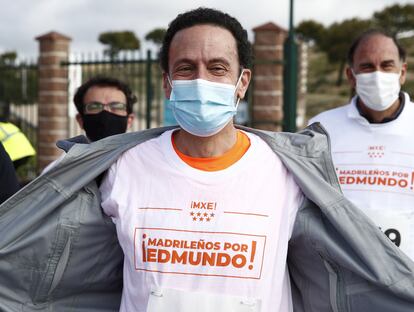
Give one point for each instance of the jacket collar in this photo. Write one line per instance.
(300, 152)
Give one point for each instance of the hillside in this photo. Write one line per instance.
(323, 94)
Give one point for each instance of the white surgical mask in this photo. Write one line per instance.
(201, 107)
(378, 90)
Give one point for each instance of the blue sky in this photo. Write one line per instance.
(82, 20)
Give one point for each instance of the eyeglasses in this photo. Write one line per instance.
(97, 107)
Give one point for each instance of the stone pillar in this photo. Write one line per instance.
(52, 96)
(267, 110)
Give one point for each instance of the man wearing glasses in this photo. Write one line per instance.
(104, 107)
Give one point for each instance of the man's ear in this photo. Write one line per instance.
(166, 85)
(403, 73)
(79, 120)
(351, 77)
(130, 120)
(244, 83)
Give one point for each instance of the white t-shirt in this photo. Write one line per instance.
(202, 241)
(375, 167)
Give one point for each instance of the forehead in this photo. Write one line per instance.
(376, 48)
(203, 43)
(104, 94)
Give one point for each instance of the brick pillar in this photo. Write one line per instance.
(267, 110)
(53, 96)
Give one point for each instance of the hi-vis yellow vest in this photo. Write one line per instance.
(15, 142)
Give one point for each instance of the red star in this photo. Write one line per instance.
(205, 214)
(208, 219)
(191, 213)
(201, 219)
(198, 214)
(194, 219)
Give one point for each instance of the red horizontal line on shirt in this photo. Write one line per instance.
(209, 232)
(246, 213)
(347, 152)
(152, 208)
(198, 274)
(402, 153)
(374, 165)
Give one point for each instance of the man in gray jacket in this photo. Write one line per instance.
(203, 213)
(195, 235)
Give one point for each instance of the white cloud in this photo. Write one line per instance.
(23, 20)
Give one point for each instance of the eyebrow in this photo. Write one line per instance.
(219, 60)
(190, 61)
(364, 64)
(384, 62)
(182, 60)
(387, 62)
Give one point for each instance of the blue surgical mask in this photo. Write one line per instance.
(203, 108)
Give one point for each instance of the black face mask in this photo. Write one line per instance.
(103, 124)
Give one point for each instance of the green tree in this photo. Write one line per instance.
(119, 41)
(8, 76)
(8, 58)
(18, 80)
(337, 40)
(395, 18)
(156, 35)
(311, 31)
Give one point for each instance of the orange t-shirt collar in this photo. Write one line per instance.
(220, 162)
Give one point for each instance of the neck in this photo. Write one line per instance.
(378, 116)
(201, 147)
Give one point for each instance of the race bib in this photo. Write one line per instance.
(173, 300)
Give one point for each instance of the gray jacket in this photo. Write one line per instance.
(59, 252)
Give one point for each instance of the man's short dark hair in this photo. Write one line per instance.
(102, 81)
(206, 16)
(371, 33)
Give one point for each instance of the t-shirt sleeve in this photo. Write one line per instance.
(108, 203)
(294, 201)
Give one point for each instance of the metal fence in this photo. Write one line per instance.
(141, 73)
(18, 98)
(18, 90)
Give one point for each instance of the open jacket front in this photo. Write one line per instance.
(59, 252)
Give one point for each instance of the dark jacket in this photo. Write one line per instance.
(8, 179)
